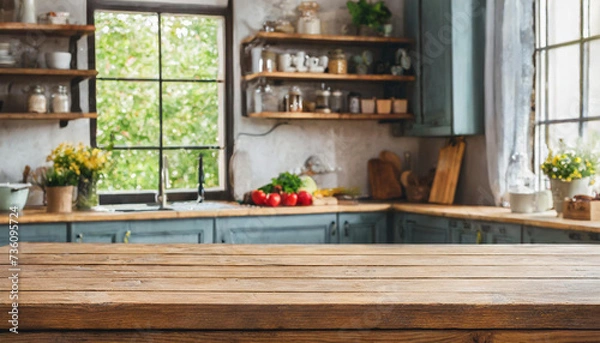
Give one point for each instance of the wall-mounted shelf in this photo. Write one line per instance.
(63, 118)
(330, 116)
(324, 39)
(47, 73)
(328, 77)
(47, 29)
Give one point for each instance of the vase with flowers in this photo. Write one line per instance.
(58, 183)
(571, 172)
(88, 163)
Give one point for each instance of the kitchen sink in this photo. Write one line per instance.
(176, 206)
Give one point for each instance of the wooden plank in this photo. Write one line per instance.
(301, 249)
(447, 172)
(47, 116)
(307, 260)
(339, 272)
(372, 336)
(325, 39)
(197, 283)
(184, 311)
(46, 29)
(73, 73)
(329, 77)
(331, 116)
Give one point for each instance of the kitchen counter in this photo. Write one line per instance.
(482, 213)
(304, 293)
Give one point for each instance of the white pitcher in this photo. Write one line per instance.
(25, 11)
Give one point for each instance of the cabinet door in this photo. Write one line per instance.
(363, 228)
(501, 233)
(398, 228)
(419, 229)
(171, 231)
(464, 232)
(99, 232)
(306, 229)
(52, 233)
(550, 236)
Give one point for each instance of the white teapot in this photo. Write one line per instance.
(318, 64)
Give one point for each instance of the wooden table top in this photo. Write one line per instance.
(304, 287)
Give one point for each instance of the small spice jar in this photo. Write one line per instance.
(354, 103)
(61, 101)
(37, 101)
(269, 60)
(337, 62)
(293, 101)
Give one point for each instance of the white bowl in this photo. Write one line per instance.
(58, 60)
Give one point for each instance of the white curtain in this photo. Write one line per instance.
(509, 73)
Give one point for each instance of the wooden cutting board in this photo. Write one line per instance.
(447, 172)
(383, 181)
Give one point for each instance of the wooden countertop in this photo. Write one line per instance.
(483, 213)
(304, 293)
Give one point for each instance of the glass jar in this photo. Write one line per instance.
(337, 102)
(309, 23)
(293, 101)
(322, 101)
(37, 101)
(61, 101)
(337, 62)
(269, 60)
(265, 99)
(520, 184)
(354, 103)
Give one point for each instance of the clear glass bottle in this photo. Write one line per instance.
(61, 100)
(37, 102)
(265, 99)
(520, 184)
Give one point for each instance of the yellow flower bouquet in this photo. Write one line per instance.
(87, 163)
(570, 165)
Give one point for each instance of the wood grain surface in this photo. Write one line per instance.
(306, 293)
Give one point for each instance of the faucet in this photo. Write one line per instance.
(200, 179)
(164, 183)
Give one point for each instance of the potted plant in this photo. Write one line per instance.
(370, 17)
(571, 172)
(59, 184)
(88, 164)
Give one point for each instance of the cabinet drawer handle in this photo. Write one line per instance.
(333, 228)
(479, 237)
(127, 236)
(346, 229)
(79, 238)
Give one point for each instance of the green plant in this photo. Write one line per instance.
(570, 164)
(372, 15)
(285, 182)
(60, 178)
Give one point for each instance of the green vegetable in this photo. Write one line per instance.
(372, 15)
(308, 184)
(285, 182)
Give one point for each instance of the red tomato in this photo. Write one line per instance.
(289, 199)
(273, 200)
(304, 198)
(259, 198)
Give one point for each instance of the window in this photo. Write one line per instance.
(568, 82)
(161, 91)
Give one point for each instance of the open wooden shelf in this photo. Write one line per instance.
(331, 116)
(47, 116)
(325, 39)
(48, 29)
(41, 72)
(329, 77)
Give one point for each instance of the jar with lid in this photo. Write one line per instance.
(37, 101)
(337, 102)
(268, 60)
(322, 103)
(293, 101)
(61, 101)
(265, 99)
(337, 62)
(354, 103)
(309, 23)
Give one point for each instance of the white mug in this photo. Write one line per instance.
(285, 62)
(323, 61)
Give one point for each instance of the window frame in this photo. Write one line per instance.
(149, 196)
(542, 121)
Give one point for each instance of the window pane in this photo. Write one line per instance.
(129, 111)
(594, 79)
(133, 170)
(190, 47)
(563, 82)
(594, 17)
(183, 168)
(568, 132)
(191, 114)
(564, 21)
(592, 131)
(126, 44)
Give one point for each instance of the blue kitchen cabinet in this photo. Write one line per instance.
(464, 232)
(99, 232)
(551, 236)
(296, 229)
(421, 229)
(55, 233)
(363, 228)
(448, 57)
(171, 231)
(500, 233)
